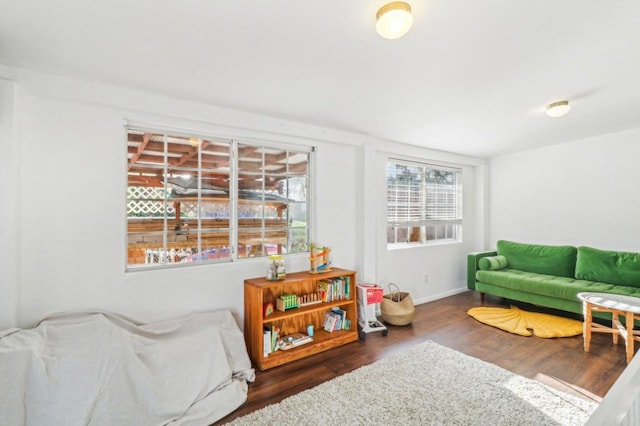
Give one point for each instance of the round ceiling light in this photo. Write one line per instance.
(558, 109)
(394, 20)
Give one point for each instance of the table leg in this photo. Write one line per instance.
(615, 319)
(586, 326)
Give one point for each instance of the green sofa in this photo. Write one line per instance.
(552, 276)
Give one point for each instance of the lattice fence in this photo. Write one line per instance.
(145, 201)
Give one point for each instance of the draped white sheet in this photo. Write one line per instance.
(103, 369)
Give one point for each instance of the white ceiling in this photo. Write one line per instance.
(471, 77)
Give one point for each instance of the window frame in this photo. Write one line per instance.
(452, 227)
(233, 194)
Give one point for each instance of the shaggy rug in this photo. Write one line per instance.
(519, 322)
(426, 385)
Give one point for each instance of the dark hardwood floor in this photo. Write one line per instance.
(559, 362)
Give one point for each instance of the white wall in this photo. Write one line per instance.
(443, 264)
(8, 206)
(581, 193)
(70, 208)
(71, 220)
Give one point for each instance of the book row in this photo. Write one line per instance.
(336, 319)
(335, 289)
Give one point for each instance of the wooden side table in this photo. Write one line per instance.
(618, 305)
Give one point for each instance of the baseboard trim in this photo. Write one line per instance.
(439, 295)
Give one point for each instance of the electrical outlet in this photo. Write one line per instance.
(426, 278)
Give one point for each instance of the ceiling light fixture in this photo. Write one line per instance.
(394, 20)
(558, 109)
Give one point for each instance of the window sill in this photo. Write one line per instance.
(403, 246)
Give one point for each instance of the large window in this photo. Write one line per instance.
(194, 199)
(424, 203)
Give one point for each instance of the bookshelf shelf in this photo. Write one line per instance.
(259, 291)
(291, 313)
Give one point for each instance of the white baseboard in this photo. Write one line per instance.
(439, 295)
(430, 298)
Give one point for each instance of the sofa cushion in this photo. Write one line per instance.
(492, 263)
(549, 285)
(540, 259)
(615, 267)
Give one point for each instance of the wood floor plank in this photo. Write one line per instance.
(559, 362)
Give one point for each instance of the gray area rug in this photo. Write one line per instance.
(426, 385)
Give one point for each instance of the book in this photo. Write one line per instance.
(335, 286)
(266, 341)
(339, 283)
(347, 287)
(323, 289)
(342, 318)
(293, 340)
(300, 339)
(347, 325)
(329, 321)
(344, 322)
(275, 331)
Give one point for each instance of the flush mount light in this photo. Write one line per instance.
(558, 109)
(394, 20)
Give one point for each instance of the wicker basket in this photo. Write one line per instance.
(397, 307)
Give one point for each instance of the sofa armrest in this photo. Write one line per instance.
(472, 266)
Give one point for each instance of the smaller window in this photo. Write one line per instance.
(424, 203)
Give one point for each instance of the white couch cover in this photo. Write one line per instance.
(103, 369)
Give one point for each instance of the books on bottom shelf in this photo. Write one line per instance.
(336, 319)
(272, 341)
(270, 336)
(293, 340)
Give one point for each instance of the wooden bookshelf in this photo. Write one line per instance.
(259, 291)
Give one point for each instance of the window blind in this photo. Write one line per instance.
(423, 194)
